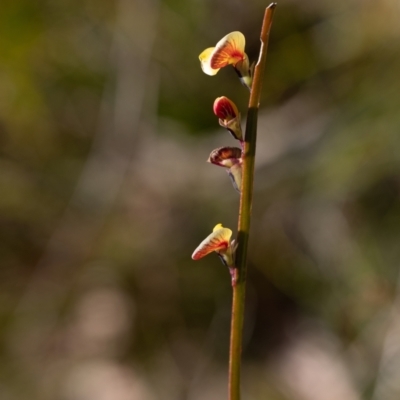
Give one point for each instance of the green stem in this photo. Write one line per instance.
(246, 196)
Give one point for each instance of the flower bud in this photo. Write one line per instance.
(229, 116)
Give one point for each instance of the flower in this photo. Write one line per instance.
(228, 51)
(229, 116)
(218, 241)
(231, 158)
(225, 156)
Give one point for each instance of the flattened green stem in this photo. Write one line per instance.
(246, 196)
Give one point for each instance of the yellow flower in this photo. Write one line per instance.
(228, 51)
(218, 241)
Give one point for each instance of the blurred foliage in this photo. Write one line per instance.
(105, 125)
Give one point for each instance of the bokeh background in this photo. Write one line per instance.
(105, 125)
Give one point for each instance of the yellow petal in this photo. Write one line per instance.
(216, 227)
(229, 50)
(205, 58)
(218, 240)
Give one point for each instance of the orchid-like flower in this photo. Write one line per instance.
(230, 158)
(225, 156)
(218, 241)
(229, 116)
(228, 51)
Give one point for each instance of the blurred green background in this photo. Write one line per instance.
(105, 125)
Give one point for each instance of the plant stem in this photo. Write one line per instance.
(246, 196)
